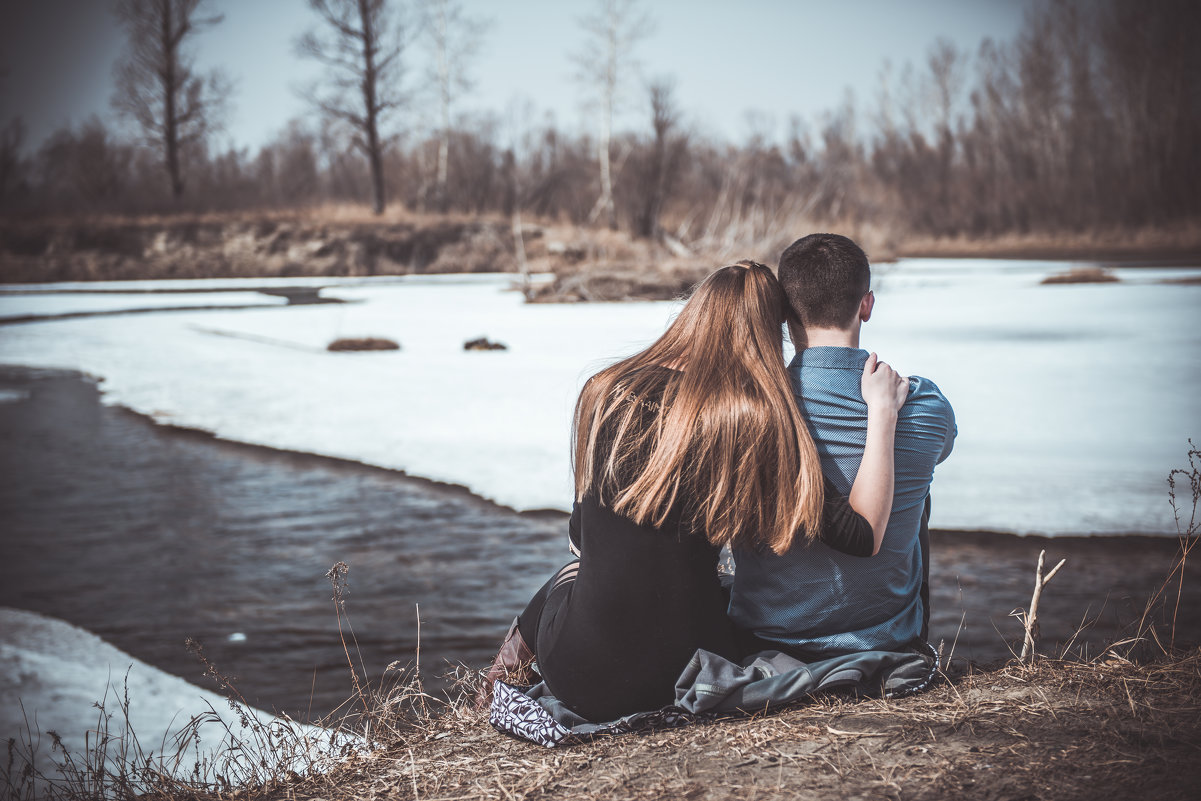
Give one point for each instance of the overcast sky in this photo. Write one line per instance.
(774, 58)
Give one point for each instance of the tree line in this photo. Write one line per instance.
(1088, 119)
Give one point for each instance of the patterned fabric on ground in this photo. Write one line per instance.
(711, 687)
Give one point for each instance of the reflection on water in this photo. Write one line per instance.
(147, 537)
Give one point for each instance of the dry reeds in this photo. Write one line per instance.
(1149, 243)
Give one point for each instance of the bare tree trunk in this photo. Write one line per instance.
(374, 156)
(170, 91)
(450, 35)
(604, 204)
(377, 168)
(607, 126)
(440, 189)
(443, 67)
(171, 132)
(606, 176)
(615, 28)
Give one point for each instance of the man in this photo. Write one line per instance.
(814, 601)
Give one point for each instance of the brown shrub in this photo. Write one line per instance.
(1082, 275)
(362, 343)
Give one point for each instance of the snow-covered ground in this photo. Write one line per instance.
(52, 674)
(1073, 401)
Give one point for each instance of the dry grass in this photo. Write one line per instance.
(589, 263)
(323, 213)
(1082, 275)
(1057, 729)
(1145, 245)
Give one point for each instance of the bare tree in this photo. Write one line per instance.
(287, 170)
(452, 38)
(517, 186)
(158, 87)
(12, 136)
(947, 65)
(361, 42)
(663, 164)
(613, 31)
(85, 167)
(947, 77)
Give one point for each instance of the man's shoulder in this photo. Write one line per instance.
(927, 417)
(926, 408)
(818, 384)
(924, 392)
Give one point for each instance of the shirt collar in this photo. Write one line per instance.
(831, 356)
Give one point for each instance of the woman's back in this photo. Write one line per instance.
(645, 599)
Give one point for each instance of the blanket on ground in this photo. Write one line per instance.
(712, 686)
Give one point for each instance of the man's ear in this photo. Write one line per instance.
(866, 305)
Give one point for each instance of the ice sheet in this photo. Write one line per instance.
(1073, 401)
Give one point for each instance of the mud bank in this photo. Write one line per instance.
(251, 246)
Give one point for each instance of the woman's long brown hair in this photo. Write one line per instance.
(727, 434)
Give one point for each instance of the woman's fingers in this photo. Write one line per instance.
(883, 386)
(902, 390)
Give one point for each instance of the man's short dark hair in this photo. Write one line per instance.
(825, 276)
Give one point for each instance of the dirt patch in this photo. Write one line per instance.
(361, 344)
(1082, 275)
(1058, 730)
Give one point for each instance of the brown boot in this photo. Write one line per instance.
(512, 665)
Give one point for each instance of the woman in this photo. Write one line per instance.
(693, 444)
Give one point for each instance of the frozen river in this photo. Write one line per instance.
(1073, 401)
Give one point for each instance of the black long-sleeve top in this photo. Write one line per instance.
(645, 599)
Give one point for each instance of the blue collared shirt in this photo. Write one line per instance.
(814, 597)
